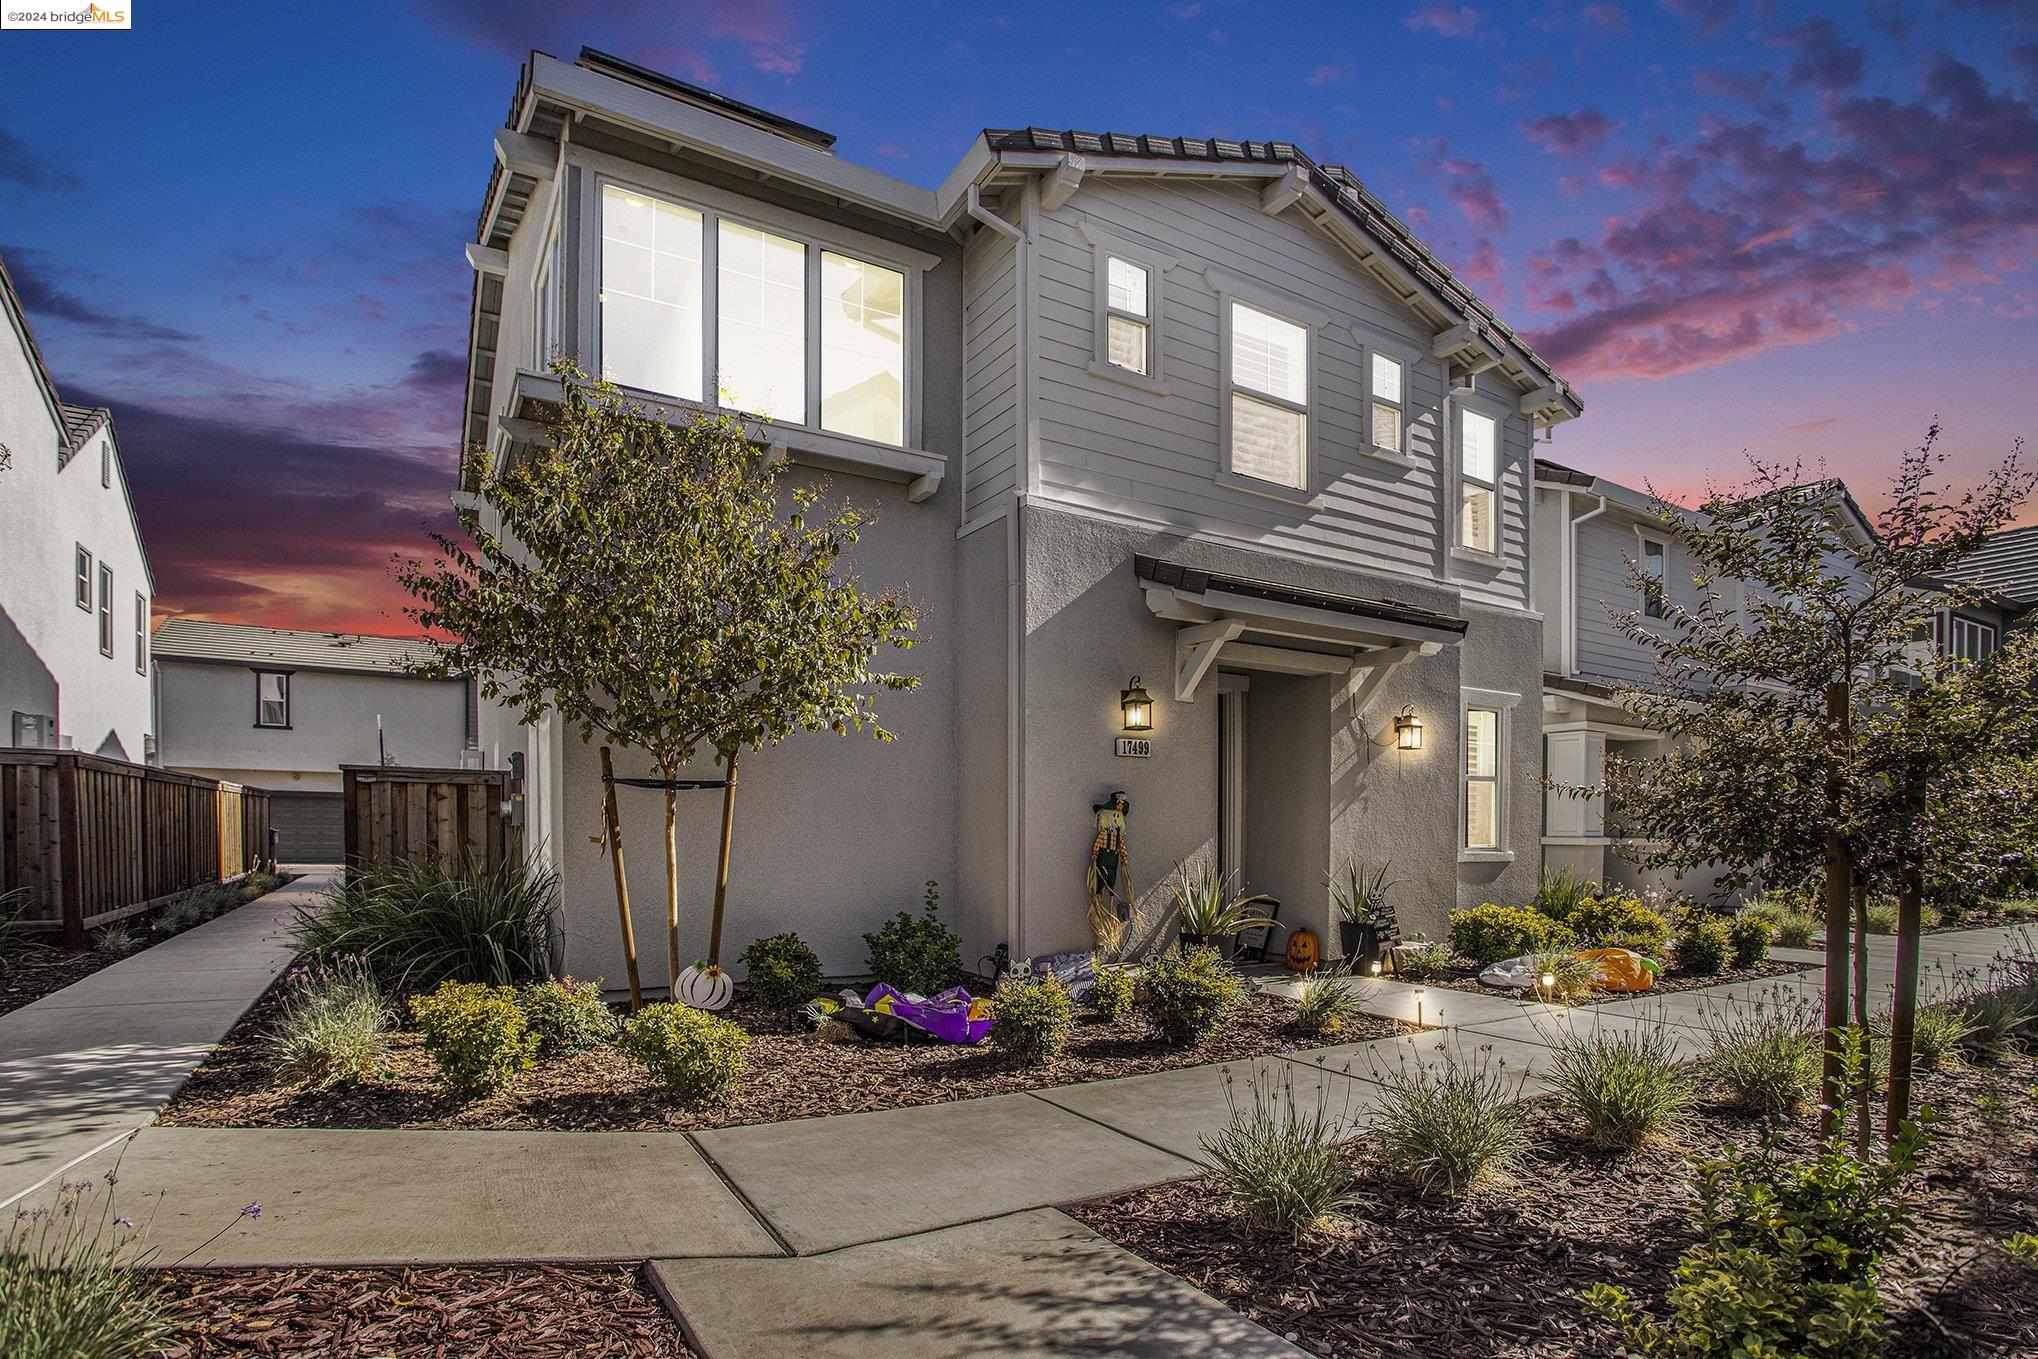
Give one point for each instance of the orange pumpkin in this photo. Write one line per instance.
(1304, 951)
(1621, 969)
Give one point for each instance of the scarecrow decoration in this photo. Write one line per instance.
(1110, 876)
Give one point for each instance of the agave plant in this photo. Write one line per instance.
(1208, 907)
(1360, 894)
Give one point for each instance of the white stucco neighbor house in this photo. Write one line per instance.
(1200, 412)
(75, 588)
(281, 709)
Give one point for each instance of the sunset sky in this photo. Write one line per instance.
(1798, 231)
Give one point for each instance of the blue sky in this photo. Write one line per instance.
(1798, 230)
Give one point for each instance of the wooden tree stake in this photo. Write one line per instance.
(613, 827)
(722, 866)
(671, 890)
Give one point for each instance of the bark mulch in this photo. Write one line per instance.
(1497, 1277)
(1465, 977)
(792, 1074)
(527, 1311)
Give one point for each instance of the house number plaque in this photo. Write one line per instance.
(1136, 747)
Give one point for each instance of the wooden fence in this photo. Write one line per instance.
(94, 840)
(447, 816)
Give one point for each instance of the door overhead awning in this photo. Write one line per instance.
(1261, 625)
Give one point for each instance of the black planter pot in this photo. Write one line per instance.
(1360, 942)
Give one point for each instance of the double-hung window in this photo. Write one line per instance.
(1967, 639)
(545, 303)
(793, 329)
(272, 698)
(105, 610)
(1388, 381)
(83, 586)
(1482, 778)
(1478, 482)
(1655, 575)
(141, 634)
(1128, 316)
(1269, 435)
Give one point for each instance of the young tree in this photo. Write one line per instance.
(660, 585)
(1777, 692)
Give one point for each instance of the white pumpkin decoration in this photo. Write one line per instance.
(704, 986)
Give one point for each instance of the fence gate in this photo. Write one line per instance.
(446, 816)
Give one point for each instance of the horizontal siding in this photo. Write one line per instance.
(991, 338)
(1118, 447)
(1605, 545)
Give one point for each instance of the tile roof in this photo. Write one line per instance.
(80, 424)
(200, 639)
(1197, 581)
(1336, 182)
(2005, 564)
(1558, 472)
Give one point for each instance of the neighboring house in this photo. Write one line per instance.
(1590, 533)
(75, 587)
(2006, 565)
(283, 710)
(1198, 411)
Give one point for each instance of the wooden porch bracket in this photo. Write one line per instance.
(1196, 649)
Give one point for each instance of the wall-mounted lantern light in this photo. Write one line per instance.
(1407, 729)
(1138, 706)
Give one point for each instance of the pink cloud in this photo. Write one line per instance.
(1569, 134)
(1444, 19)
(1467, 184)
(1324, 75)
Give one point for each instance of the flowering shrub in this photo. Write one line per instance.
(476, 1033)
(334, 1029)
(68, 1289)
(699, 1055)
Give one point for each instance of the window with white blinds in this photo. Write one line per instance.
(1482, 778)
(1127, 316)
(1269, 436)
(1389, 403)
(1478, 479)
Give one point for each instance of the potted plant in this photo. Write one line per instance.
(1207, 911)
(1363, 915)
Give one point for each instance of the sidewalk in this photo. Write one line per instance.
(93, 1062)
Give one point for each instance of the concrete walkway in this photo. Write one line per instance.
(84, 1067)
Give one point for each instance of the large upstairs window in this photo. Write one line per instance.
(650, 294)
(1269, 435)
(863, 349)
(1478, 482)
(761, 306)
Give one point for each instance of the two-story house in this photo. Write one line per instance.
(282, 709)
(1193, 417)
(75, 587)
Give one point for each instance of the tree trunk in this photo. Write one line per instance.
(1839, 897)
(671, 889)
(613, 827)
(722, 865)
(1864, 1096)
(1910, 927)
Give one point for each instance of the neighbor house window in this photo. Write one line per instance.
(272, 699)
(105, 610)
(545, 299)
(1389, 402)
(650, 294)
(761, 333)
(1655, 572)
(1966, 639)
(141, 634)
(1269, 398)
(1482, 778)
(1478, 480)
(863, 349)
(1128, 316)
(83, 585)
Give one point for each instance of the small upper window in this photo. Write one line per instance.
(105, 463)
(1478, 480)
(1269, 397)
(83, 584)
(141, 634)
(105, 610)
(1389, 403)
(1655, 567)
(272, 699)
(1128, 317)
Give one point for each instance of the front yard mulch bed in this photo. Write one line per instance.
(792, 1074)
(1497, 1277)
(1465, 977)
(38, 970)
(530, 1312)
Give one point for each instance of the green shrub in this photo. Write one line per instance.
(1995, 1020)
(1620, 922)
(67, 1287)
(1748, 940)
(1788, 1261)
(699, 1055)
(1111, 995)
(1937, 1034)
(1453, 1125)
(566, 1016)
(334, 1029)
(476, 1034)
(916, 954)
(1033, 1018)
(1325, 1005)
(1766, 1056)
(1489, 933)
(1278, 1162)
(1570, 977)
(1559, 894)
(781, 971)
(1184, 995)
(1422, 959)
(1629, 1085)
(1704, 943)
(418, 924)
(116, 939)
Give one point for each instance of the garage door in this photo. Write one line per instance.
(310, 827)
